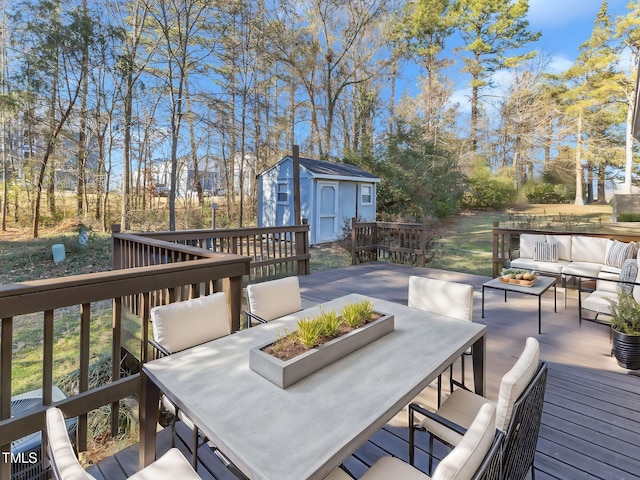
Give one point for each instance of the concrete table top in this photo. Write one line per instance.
(310, 428)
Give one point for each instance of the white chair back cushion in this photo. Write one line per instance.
(275, 298)
(589, 249)
(515, 381)
(191, 322)
(61, 455)
(564, 245)
(465, 459)
(527, 242)
(441, 297)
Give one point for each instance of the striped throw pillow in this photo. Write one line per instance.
(618, 253)
(545, 252)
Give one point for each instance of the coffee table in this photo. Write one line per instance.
(542, 285)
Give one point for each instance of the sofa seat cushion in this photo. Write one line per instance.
(598, 301)
(607, 281)
(547, 267)
(582, 269)
(610, 269)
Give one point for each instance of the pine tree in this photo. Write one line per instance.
(491, 30)
(593, 98)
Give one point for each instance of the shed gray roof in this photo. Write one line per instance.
(325, 168)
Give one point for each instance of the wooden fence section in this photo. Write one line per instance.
(274, 251)
(398, 242)
(507, 240)
(46, 297)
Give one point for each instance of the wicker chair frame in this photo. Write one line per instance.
(522, 433)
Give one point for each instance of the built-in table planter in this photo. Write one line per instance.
(286, 373)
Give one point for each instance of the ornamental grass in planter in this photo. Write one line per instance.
(625, 330)
(324, 327)
(318, 342)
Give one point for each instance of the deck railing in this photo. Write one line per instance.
(397, 242)
(43, 299)
(274, 251)
(507, 240)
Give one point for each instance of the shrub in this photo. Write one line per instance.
(487, 191)
(629, 217)
(546, 193)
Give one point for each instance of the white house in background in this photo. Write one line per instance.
(208, 171)
(329, 193)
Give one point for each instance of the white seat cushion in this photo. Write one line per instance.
(598, 301)
(441, 297)
(191, 322)
(461, 408)
(170, 466)
(465, 459)
(391, 468)
(62, 456)
(515, 381)
(547, 267)
(275, 298)
(582, 269)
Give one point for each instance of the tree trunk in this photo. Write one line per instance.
(579, 173)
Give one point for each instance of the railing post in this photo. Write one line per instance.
(497, 262)
(6, 349)
(116, 248)
(423, 243)
(302, 248)
(354, 257)
(232, 287)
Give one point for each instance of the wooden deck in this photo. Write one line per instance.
(591, 421)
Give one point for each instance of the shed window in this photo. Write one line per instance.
(283, 192)
(365, 194)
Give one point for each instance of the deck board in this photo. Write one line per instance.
(591, 419)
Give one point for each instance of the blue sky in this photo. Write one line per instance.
(565, 24)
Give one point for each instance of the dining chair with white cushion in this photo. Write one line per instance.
(272, 299)
(65, 465)
(518, 411)
(186, 324)
(445, 298)
(476, 457)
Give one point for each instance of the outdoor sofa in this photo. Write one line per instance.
(574, 256)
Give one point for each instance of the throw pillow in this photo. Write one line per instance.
(618, 253)
(545, 252)
(629, 273)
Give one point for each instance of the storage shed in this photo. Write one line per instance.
(329, 193)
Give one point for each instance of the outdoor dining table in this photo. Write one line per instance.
(311, 427)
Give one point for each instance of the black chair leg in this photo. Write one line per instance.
(194, 439)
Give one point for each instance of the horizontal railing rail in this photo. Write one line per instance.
(274, 251)
(44, 298)
(507, 240)
(397, 242)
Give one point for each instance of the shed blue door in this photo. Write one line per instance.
(327, 211)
